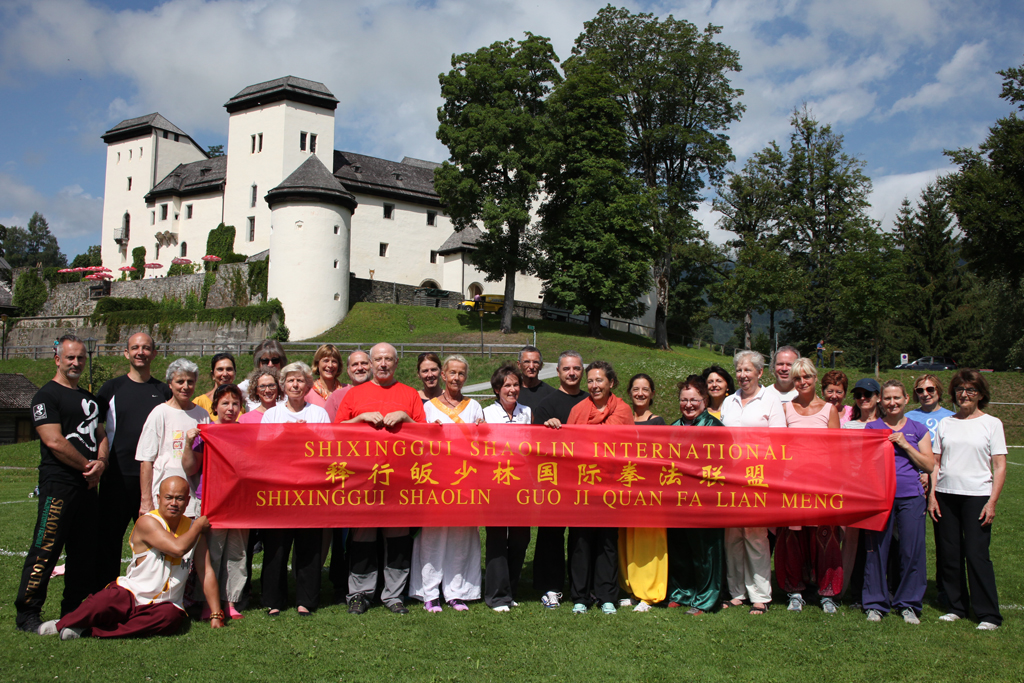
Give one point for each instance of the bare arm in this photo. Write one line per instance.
(833, 418)
(988, 513)
(396, 418)
(146, 486)
(153, 534)
(933, 502)
(191, 461)
(94, 470)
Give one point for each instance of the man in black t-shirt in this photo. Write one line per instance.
(130, 399)
(549, 553)
(533, 391)
(73, 455)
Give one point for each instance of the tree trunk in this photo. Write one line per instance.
(510, 278)
(877, 375)
(594, 319)
(662, 271)
(771, 331)
(748, 328)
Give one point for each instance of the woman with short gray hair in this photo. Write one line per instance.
(748, 558)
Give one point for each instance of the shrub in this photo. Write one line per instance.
(139, 263)
(259, 271)
(30, 293)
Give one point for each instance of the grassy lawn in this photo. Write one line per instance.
(530, 643)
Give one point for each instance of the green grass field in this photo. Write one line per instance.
(530, 643)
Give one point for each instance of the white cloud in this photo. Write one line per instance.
(962, 75)
(888, 192)
(74, 216)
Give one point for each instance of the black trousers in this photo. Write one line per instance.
(119, 500)
(964, 540)
(549, 559)
(66, 521)
(277, 545)
(505, 552)
(338, 573)
(593, 565)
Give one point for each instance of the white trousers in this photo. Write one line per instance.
(227, 555)
(748, 564)
(448, 559)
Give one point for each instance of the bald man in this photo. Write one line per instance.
(358, 368)
(131, 398)
(147, 600)
(382, 403)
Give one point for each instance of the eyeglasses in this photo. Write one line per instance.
(690, 401)
(266, 387)
(966, 391)
(276, 360)
(925, 390)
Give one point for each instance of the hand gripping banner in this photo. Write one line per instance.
(315, 475)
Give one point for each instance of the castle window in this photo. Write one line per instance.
(184, 249)
(129, 183)
(312, 143)
(384, 249)
(431, 217)
(152, 217)
(389, 211)
(118, 157)
(433, 257)
(163, 212)
(337, 229)
(166, 135)
(140, 152)
(126, 224)
(337, 297)
(335, 263)
(188, 213)
(176, 137)
(129, 155)
(253, 145)
(252, 228)
(259, 147)
(302, 141)
(157, 250)
(252, 201)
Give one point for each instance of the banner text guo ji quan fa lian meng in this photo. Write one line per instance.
(316, 475)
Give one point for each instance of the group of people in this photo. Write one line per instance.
(134, 453)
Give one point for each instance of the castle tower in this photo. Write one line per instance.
(273, 128)
(311, 221)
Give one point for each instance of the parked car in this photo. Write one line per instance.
(929, 363)
(489, 303)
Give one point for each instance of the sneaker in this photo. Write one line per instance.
(909, 616)
(515, 604)
(695, 611)
(642, 607)
(949, 617)
(796, 602)
(874, 615)
(432, 605)
(551, 599)
(987, 626)
(71, 633)
(579, 608)
(674, 605)
(608, 608)
(501, 608)
(626, 602)
(31, 624)
(458, 605)
(48, 628)
(828, 606)
(358, 605)
(398, 607)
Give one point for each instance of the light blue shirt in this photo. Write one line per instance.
(930, 420)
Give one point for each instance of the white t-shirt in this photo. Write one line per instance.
(163, 442)
(280, 414)
(967, 447)
(471, 414)
(854, 424)
(764, 410)
(495, 414)
(784, 397)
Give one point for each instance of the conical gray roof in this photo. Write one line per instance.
(311, 180)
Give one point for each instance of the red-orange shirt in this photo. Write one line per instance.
(369, 397)
(617, 412)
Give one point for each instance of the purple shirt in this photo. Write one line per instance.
(908, 480)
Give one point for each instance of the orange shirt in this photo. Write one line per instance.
(617, 412)
(369, 397)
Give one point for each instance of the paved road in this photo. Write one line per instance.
(549, 370)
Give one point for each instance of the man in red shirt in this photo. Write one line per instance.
(383, 403)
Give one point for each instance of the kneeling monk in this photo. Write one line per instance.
(147, 601)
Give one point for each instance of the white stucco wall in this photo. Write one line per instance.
(303, 252)
(128, 158)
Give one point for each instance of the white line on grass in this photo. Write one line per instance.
(12, 502)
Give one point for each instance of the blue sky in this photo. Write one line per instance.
(901, 79)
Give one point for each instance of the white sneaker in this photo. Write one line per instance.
(874, 615)
(949, 617)
(642, 607)
(515, 604)
(501, 608)
(625, 602)
(796, 602)
(551, 599)
(987, 626)
(71, 633)
(910, 617)
(48, 628)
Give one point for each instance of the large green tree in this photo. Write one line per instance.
(34, 245)
(495, 126)
(672, 82)
(596, 235)
(91, 257)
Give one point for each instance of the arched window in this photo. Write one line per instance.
(475, 290)
(184, 249)
(429, 284)
(126, 224)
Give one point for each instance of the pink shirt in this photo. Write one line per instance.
(252, 417)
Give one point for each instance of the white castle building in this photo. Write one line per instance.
(320, 212)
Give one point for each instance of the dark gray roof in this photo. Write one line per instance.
(4, 265)
(383, 178)
(205, 175)
(6, 296)
(311, 180)
(16, 392)
(259, 256)
(287, 88)
(141, 126)
(413, 161)
(460, 241)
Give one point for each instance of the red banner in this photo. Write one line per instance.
(313, 475)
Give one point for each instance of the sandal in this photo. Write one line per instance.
(273, 612)
(234, 613)
(757, 611)
(735, 602)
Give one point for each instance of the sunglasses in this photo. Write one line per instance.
(276, 360)
(967, 391)
(862, 395)
(925, 390)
